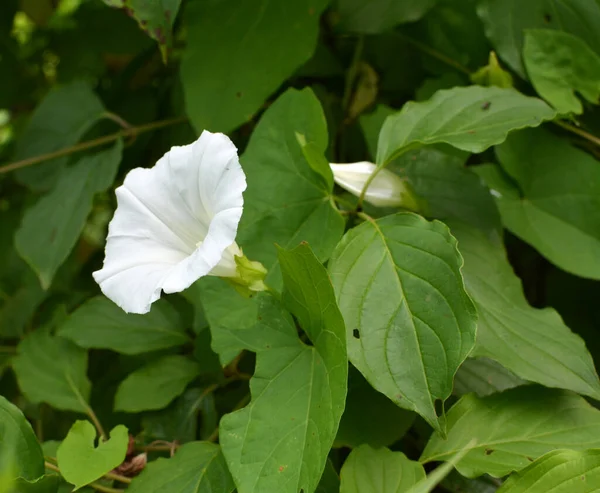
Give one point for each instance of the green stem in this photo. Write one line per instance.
(104, 489)
(578, 131)
(352, 72)
(89, 144)
(117, 477)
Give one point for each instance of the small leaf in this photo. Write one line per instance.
(560, 64)
(299, 208)
(514, 428)
(51, 227)
(99, 323)
(484, 376)
(52, 370)
(155, 385)
(559, 471)
(388, 276)
(550, 198)
(470, 118)
(545, 351)
(20, 451)
(369, 470)
(197, 467)
(60, 120)
(316, 160)
(286, 450)
(249, 57)
(80, 462)
(492, 74)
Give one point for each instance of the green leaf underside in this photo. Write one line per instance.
(52, 370)
(197, 467)
(299, 207)
(533, 344)
(553, 200)
(155, 385)
(254, 48)
(506, 21)
(559, 65)
(19, 448)
(514, 428)
(99, 323)
(388, 275)
(286, 450)
(369, 470)
(560, 471)
(470, 118)
(484, 376)
(51, 227)
(81, 462)
(60, 120)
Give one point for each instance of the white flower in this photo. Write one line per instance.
(386, 190)
(174, 223)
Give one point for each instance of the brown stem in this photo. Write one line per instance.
(89, 144)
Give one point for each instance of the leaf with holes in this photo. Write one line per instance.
(513, 428)
(286, 451)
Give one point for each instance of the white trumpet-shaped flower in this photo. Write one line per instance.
(386, 190)
(174, 223)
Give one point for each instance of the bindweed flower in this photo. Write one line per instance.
(174, 224)
(386, 190)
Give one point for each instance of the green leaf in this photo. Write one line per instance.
(533, 344)
(258, 47)
(19, 448)
(369, 470)
(376, 16)
(492, 74)
(197, 467)
(286, 450)
(299, 208)
(560, 64)
(60, 120)
(470, 118)
(484, 376)
(388, 276)
(81, 462)
(330, 481)
(560, 471)
(52, 370)
(155, 385)
(316, 160)
(370, 417)
(155, 17)
(47, 483)
(50, 228)
(514, 428)
(99, 323)
(506, 21)
(552, 199)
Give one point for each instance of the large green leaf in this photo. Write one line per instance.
(280, 441)
(552, 200)
(534, 344)
(514, 428)
(286, 201)
(370, 417)
(81, 462)
(376, 16)
(254, 47)
(560, 471)
(20, 451)
(560, 64)
(155, 385)
(51, 227)
(484, 376)
(60, 120)
(369, 470)
(53, 370)
(506, 20)
(470, 118)
(388, 276)
(99, 323)
(197, 467)
(155, 17)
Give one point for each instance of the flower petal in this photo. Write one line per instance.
(173, 222)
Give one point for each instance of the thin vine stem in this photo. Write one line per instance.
(578, 131)
(90, 144)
